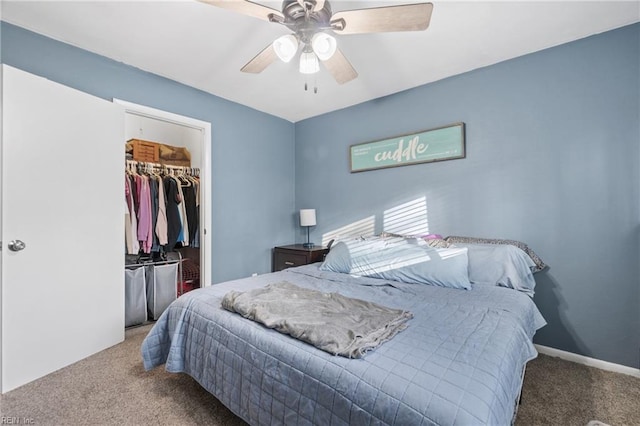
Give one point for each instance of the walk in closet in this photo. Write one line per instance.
(163, 233)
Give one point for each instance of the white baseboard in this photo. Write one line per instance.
(591, 362)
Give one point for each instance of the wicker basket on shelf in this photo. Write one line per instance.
(154, 152)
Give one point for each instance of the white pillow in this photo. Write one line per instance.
(502, 265)
(406, 261)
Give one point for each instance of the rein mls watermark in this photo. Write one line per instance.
(16, 420)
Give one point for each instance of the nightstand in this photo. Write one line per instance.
(296, 255)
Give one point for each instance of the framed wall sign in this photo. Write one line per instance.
(442, 143)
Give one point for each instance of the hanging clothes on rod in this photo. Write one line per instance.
(162, 207)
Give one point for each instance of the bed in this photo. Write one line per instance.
(460, 360)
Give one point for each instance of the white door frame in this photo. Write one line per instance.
(205, 173)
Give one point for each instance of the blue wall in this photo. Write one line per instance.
(249, 216)
(553, 154)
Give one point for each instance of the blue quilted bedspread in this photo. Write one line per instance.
(460, 360)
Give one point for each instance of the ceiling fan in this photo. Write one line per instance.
(312, 23)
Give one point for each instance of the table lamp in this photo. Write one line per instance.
(308, 219)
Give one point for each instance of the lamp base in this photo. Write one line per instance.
(308, 245)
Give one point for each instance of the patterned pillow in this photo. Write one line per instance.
(438, 243)
(433, 240)
(540, 265)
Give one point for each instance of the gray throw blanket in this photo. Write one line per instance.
(330, 321)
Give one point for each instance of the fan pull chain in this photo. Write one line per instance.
(315, 85)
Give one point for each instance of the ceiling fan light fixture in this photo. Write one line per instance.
(324, 45)
(309, 63)
(286, 47)
(312, 23)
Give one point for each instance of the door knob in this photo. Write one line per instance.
(16, 245)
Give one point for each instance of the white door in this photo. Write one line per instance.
(63, 198)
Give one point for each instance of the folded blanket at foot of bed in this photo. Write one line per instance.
(329, 321)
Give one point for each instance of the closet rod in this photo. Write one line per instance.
(193, 171)
(160, 165)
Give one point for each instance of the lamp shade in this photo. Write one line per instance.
(309, 63)
(323, 45)
(307, 217)
(286, 47)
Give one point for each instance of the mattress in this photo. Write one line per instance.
(459, 361)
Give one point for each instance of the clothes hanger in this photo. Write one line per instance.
(186, 182)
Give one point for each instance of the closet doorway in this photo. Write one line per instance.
(150, 124)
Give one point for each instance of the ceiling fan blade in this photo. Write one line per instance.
(407, 17)
(247, 7)
(261, 61)
(340, 67)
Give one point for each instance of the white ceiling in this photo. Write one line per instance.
(205, 47)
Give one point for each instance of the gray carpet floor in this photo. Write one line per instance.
(112, 388)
